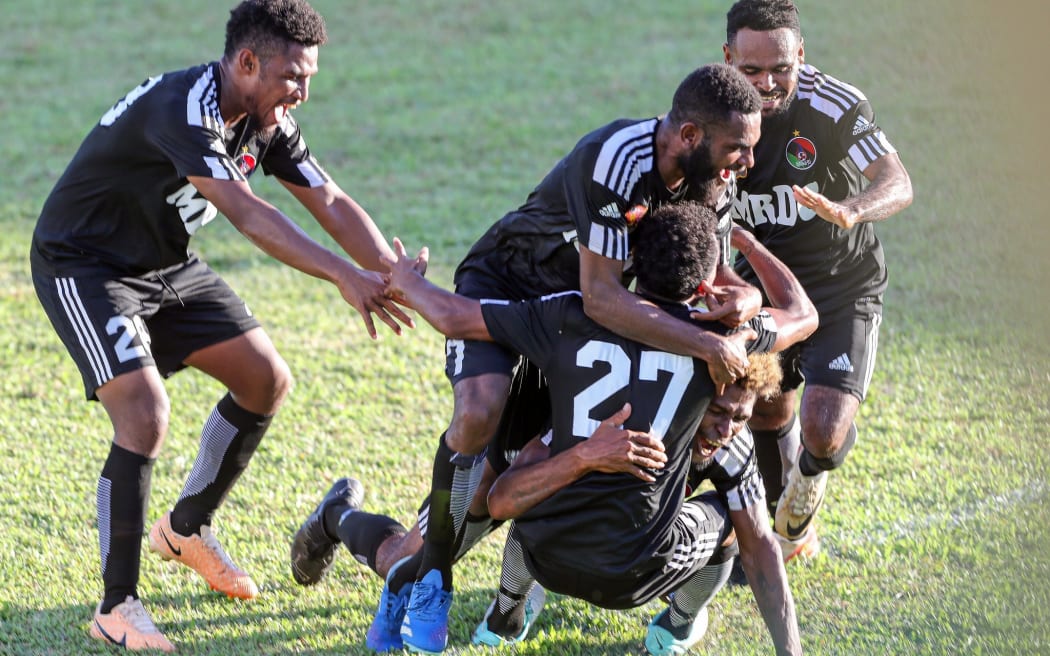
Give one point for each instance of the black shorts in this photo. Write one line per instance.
(111, 326)
(468, 358)
(527, 411)
(695, 538)
(841, 353)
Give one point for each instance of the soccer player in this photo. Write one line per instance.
(661, 541)
(133, 305)
(572, 233)
(824, 174)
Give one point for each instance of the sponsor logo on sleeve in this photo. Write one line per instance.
(635, 214)
(246, 162)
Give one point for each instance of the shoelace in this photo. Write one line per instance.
(135, 614)
(213, 545)
(393, 606)
(805, 502)
(427, 601)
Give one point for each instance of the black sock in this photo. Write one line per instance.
(508, 624)
(767, 454)
(406, 573)
(122, 498)
(361, 532)
(474, 529)
(515, 583)
(229, 439)
(694, 595)
(438, 528)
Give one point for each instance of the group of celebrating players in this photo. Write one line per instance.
(625, 388)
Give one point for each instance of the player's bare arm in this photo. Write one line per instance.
(607, 302)
(347, 222)
(794, 313)
(278, 236)
(762, 561)
(354, 230)
(449, 313)
(535, 476)
(889, 192)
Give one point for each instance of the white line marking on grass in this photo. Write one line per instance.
(879, 535)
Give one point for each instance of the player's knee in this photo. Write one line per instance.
(824, 441)
(829, 451)
(726, 551)
(281, 383)
(820, 446)
(471, 429)
(269, 387)
(140, 424)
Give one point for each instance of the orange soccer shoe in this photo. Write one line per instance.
(128, 625)
(203, 554)
(805, 548)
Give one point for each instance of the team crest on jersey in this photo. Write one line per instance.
(246, 162)
(801, 153)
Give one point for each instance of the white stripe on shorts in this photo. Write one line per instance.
(89, 340)
(873, 348)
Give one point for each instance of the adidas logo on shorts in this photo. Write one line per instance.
(841, 363)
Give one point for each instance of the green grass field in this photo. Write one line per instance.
(438, 116)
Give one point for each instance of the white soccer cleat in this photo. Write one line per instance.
(799, 503)
(128, 625)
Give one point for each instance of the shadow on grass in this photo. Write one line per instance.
(27, 630)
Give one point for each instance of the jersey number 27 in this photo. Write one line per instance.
(650, 364)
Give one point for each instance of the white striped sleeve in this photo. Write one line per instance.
(608, 242)
(869, 149)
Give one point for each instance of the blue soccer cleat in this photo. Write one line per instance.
(425, 629)
(385, 632)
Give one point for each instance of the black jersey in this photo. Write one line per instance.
(733, 472)
(124, 206)
(592, 197)
(826, 139)
(616, 523)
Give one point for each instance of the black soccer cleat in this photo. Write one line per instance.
(313, 550)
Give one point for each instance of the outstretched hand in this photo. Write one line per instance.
(614, 449)
(829, 210)
(365, 291)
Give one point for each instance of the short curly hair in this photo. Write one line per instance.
(711, 94)
(763, 375)
(266, 27)
(675, 249)
(762, 16)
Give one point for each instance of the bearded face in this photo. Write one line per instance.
(700, 173)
